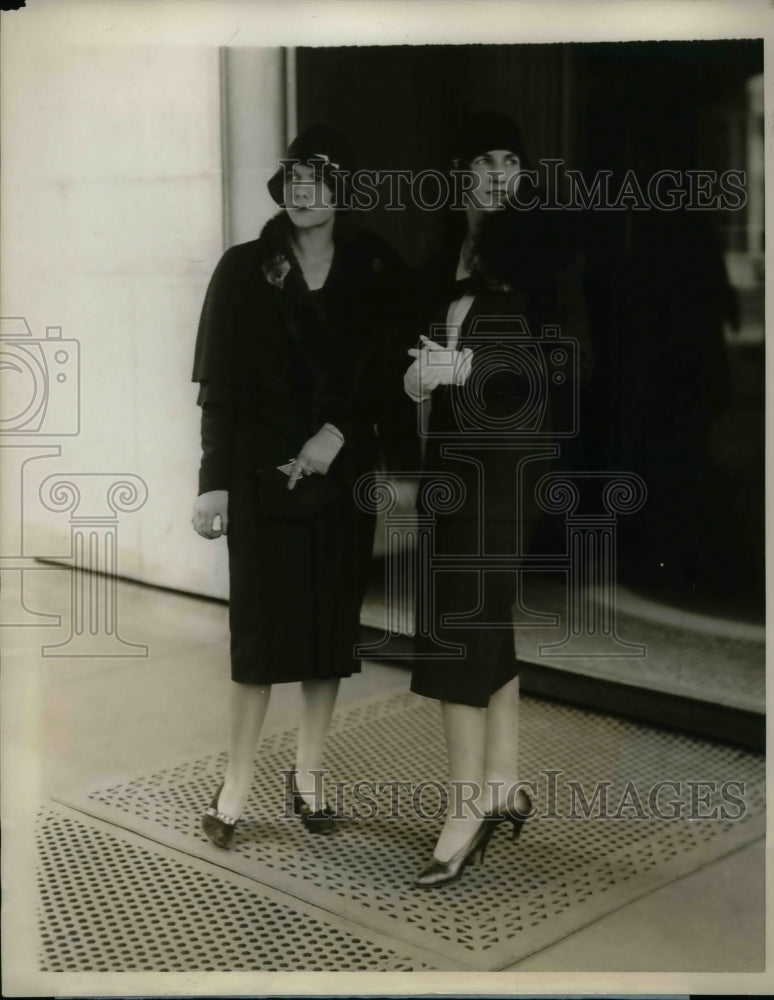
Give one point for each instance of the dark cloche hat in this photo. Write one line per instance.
(325, 149)
(485, 130)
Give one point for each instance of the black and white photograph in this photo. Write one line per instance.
(383, 440)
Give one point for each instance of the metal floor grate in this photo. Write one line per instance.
(563, 873)
(111, 905)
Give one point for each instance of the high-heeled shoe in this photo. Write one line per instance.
(443, 872)
(314, 820)
(516, 811)
(219, 827)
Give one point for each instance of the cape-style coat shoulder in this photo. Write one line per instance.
(285, 360)
(275, 362)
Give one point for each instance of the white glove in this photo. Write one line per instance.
(433, 366)
(317, 454)
(207, 509)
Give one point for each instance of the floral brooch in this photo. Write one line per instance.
(276, 269)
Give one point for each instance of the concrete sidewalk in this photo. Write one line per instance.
(100, 717)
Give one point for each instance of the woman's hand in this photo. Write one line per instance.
(433, 366)
(207, 509)
(317, 454)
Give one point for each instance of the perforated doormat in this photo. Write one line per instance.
(111, 901)
(621, 809)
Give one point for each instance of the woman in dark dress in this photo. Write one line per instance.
(292, 359)
(492, 404)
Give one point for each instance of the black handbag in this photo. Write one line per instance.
(309, 497)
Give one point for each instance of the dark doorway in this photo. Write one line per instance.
(675, 294)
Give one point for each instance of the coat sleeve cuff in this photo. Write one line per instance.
(217, 434)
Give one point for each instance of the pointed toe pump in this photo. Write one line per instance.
(516, 812)
(440, 873)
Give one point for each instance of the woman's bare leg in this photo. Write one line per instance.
(502, 743)
(465, 730)
(248, 708)
(318, 700)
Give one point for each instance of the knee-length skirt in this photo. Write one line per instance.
(487, 660)
(296, 588)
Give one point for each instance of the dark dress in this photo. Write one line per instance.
(497, 436)
(275, 362)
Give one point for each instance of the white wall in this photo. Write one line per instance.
(113, 220)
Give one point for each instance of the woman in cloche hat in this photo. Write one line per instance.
(293, 359)
(491, 289)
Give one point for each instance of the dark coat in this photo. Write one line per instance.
(275, 362)
(528, 331)
(497, 434)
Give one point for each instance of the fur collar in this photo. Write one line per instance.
(357, 253)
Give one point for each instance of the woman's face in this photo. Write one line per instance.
(496, 176)
(308, 199)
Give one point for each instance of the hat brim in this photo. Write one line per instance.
(339, 185)
(276, 186)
